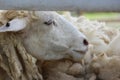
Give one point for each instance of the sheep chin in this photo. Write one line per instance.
(77, 55)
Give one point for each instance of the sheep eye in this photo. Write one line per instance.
(49, 22)
(7, 24)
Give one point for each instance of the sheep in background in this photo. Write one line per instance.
(106, 68)
(114, 47)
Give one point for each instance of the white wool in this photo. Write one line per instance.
(114, 46)
(108, 67)
(89, 55)
(67, 15)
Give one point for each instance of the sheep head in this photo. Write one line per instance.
(47, 35)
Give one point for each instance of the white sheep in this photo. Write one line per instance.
(45, 34)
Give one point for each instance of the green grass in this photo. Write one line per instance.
(101, 15)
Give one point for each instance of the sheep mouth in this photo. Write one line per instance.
(82, 52)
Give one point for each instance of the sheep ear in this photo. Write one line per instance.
(14, 25)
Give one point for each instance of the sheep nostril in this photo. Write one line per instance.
(85, 42)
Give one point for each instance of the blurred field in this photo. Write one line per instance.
(101, 15)
(111, 19)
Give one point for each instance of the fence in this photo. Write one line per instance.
(82, 5)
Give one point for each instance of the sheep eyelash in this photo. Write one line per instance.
(49, 22)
